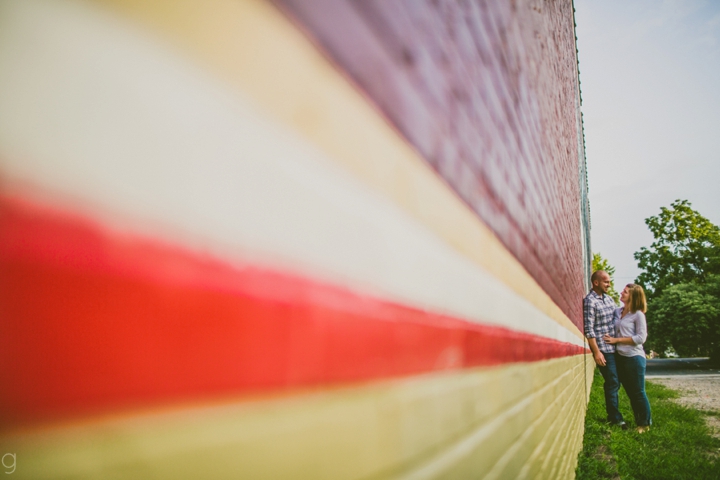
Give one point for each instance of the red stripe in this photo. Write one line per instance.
(93, 320)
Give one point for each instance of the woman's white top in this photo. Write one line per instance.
(632, 325)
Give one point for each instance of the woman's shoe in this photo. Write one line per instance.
(643, 429)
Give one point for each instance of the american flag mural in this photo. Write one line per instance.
(313, 239)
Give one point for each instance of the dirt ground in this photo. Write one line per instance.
(697, 391)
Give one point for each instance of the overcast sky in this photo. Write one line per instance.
(650, 80)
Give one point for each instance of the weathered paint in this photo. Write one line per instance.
(201, 163)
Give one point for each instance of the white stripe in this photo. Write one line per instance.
(102, 113)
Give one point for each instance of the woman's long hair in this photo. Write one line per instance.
(636, 298)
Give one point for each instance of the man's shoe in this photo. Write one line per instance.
(622, 425)
(643, 429)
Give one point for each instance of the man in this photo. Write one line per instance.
(598, 310)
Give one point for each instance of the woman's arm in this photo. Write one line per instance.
(623, 340)
(637, 339)
(640, 329)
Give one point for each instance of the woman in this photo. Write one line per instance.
(630, 334)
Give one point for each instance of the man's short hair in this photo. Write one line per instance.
(596, 275)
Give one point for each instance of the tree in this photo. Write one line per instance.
(682, 279)
(600, 263)
(686, 317)
(686, 249)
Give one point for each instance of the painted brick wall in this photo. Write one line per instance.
(487, 92)
(267, 270)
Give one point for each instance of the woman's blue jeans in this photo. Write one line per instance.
(632, 377)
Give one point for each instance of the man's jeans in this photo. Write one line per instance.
(632, 375)
(611, 386)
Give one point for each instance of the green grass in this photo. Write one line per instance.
(678, 445)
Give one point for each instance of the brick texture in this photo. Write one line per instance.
(487, 93)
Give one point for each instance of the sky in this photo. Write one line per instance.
(650, 81)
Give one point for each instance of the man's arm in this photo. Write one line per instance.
(589, 324)
(597, 354)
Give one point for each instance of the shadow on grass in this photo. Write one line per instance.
(678, 445)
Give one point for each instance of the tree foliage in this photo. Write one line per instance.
(686, 248)
(600, 263)
(682, 279)
(686, 317)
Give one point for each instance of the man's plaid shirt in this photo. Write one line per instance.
(599, 319)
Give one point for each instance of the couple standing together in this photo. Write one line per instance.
(616, 336)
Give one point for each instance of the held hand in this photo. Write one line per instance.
(609, 339)
(599, 359)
